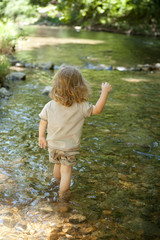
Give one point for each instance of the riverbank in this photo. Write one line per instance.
(128, 31)
(141, 30)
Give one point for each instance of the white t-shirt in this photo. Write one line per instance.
(65, 124)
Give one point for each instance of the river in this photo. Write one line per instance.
(115, 186)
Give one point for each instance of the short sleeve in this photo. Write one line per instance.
(43, 114)
(87, 109)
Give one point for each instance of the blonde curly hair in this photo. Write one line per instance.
(69, 86)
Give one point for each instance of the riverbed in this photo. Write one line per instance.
(115, 186)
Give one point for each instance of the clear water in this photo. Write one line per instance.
(116, 182)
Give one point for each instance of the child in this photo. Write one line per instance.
(63, 117)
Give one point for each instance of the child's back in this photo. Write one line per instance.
(65, 124)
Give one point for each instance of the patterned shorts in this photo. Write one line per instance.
(63, 157)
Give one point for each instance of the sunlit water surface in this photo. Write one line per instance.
(116, 182)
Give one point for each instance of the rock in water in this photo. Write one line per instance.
(4, 93)
(47, 90)
(47, 66)
(157, 66)
(77, 218)
(13, 60)
(16, 76)
(121, 69)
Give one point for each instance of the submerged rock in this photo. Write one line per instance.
(106, 212)
(122, 177)
(46, 208)
(64, 209)
(3, 177)
(9, 222)
(77, 218)
(88, 229)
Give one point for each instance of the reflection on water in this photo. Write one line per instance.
(62, 45)
(115, 186)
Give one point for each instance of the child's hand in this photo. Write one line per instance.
(106, 87)
(42, 142)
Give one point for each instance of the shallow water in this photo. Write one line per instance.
(116, 182)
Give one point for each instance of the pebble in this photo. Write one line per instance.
(47, 209)
(125, 184)
(106, 212)
(77, 218)
(21, 226)
(3, 177)
(122, 177)
(64, 209)
(8, 222)
(88, 230)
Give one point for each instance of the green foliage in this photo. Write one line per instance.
(4, 65)
(3, 5)
(8, 36)
(110, 13)
(41, 3)
(49, 13)
(17, 8)
(126, 14)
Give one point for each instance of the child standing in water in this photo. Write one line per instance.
(63, 117)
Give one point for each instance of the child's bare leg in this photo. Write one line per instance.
(66, 172)
(57, 172)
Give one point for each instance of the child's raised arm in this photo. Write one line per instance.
(42, 130)
(106, 88)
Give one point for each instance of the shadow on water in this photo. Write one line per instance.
(115, 186)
